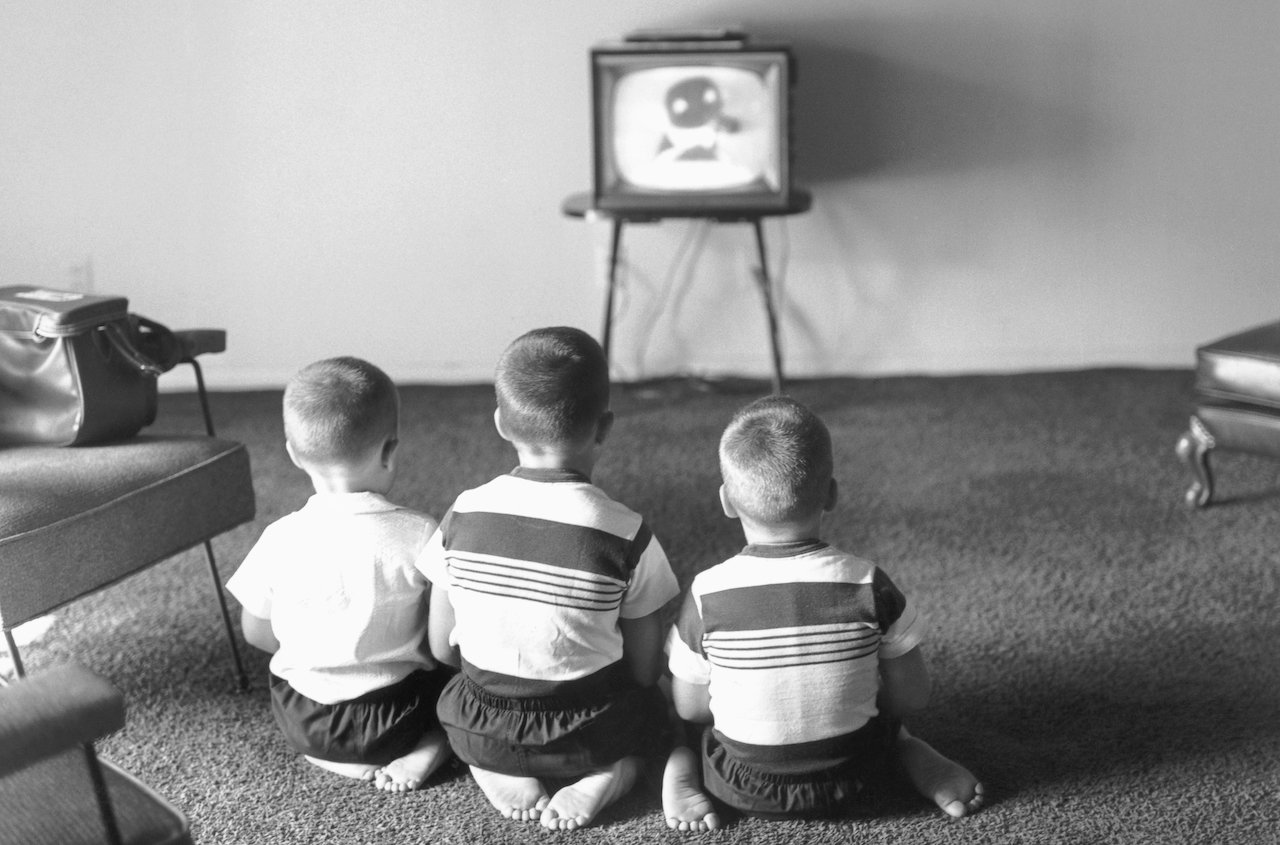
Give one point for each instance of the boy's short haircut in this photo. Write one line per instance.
(338, 409)
(775, 460)
(552, 386)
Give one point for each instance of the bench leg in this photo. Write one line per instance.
(1193, 448)
(12, 645)
(241, 677)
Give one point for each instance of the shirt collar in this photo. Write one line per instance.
(365, 502)
(798, 547)
(549, 474)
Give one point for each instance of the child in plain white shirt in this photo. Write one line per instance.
(331, 590)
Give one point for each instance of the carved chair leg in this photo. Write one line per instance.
(1193, 448)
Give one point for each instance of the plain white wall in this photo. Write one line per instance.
(999, 185)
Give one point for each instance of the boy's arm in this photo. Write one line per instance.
(642, 647)
(904, 684)
(440, 622)
(258, 633)
(692, 701)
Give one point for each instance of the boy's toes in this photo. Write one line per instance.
(529, 814)
(975, 803)
(388, 782)
(711, 821)
(552, 820)
(958, 808)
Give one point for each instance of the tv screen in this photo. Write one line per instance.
(689, 127)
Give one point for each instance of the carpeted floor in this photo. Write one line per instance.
(1105, 659)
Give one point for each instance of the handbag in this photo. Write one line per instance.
(77, 368)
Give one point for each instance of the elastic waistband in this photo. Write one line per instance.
(869, 741)
(594, 697)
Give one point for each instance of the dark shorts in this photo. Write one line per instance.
(756, 791)
(551, 737)
(375, 728)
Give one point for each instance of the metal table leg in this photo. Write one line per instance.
(766, 291)
(615, 242)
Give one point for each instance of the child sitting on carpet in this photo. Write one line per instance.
(547, 593)
(331, 590)
(801, 659)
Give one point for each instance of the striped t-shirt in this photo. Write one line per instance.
(540, 565)
(789, 639)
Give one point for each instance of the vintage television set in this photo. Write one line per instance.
(690, 123)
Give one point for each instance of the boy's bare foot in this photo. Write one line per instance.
(358, 771)
(408, 772)
(945, 782)
(519, 798)
(576, 805)
(683, 803)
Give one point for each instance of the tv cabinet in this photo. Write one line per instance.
(582, 204)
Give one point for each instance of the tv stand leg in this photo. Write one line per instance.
(615, 243)
(766, 291)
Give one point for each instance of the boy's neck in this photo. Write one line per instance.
(331, 484)
(374, 472)
(772, 534)
(581, 460)
(371, 478)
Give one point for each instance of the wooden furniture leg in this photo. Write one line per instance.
(1193, 448)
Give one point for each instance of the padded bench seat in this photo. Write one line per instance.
(1237, 392)
(74, 520)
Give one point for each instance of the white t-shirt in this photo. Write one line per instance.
(337, 581)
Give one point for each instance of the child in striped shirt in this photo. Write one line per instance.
(546, 595)
(800, 659)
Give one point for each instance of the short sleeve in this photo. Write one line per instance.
(431, 560)
(251, 583)
(653, 584)
(902, 626)
(685, 656)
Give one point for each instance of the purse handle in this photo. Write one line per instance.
(163, 351)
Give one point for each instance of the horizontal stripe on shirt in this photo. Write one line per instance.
(484, 534)
(787, 605)
(530, 582)
(767, 649)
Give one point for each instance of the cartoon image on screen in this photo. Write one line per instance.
(697, 128)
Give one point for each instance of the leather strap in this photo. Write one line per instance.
(162, 354)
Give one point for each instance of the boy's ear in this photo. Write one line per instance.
(833, 496)
(497, 423)
(288, 447)
(389, 447)
(604, 426)
(726, 505)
